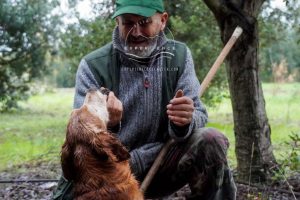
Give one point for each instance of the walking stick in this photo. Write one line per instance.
(154, 168)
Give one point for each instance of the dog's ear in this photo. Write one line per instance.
(114, 145)
(101, 154)
(100, 151)
(113, 148)
(67, 161)
(119, 151)
(106, 145)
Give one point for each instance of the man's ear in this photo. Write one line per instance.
(118, 20)
(164, 20)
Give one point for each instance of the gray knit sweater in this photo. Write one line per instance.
(141, 115)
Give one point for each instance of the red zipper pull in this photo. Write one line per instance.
(146, 82)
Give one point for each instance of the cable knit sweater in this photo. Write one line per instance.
(141, 115)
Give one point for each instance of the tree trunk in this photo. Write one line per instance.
(251, 127)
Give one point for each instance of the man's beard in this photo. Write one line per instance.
(143, 50)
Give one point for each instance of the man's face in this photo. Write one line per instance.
(139, 34)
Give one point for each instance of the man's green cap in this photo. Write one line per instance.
(145, 8)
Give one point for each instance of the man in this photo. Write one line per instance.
(154, 96)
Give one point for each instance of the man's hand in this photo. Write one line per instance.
(180, 109)
(115, 109)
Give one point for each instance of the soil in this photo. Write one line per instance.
(44, 190)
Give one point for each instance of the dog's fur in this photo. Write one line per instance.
(93, 158)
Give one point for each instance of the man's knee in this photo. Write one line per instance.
(205, 162)
(208, 146)
(209, 136)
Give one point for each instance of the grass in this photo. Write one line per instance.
(283, 111)
(37, 130)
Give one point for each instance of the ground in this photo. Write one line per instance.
(43, 190)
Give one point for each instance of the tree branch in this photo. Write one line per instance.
(214, 6)
(239, 12)
(257, 7)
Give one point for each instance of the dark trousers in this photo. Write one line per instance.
(200, 162)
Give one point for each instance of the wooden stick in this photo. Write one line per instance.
(236, 34)
(154, 168)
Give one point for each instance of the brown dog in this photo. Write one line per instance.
(93, 158)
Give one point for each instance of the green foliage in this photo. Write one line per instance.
(81, 37)
(198, 29)
(26, 30)
(279, 39)
(292, 161)
(63, 73)
(84, 37)
(66, 76)
(289, 161)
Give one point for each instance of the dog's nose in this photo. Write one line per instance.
(90, 90)
(104, 91)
